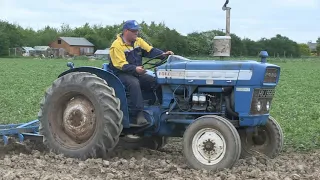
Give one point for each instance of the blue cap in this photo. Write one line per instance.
(131, 24)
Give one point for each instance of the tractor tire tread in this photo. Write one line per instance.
(279, 138)
(234, 133)
(228, 126)
(273, 149)
(109, 104)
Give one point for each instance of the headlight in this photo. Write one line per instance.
(268, 105)
(258, 106)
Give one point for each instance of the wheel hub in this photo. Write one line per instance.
(79, 119)
(209, 146)
(260, 138)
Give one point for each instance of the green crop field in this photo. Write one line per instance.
(296, 105)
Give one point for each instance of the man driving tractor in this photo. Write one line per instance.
(126, 54)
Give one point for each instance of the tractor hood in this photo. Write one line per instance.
(180, 70)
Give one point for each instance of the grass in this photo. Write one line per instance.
(296, 104)
(23, 83)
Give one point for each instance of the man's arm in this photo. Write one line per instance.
(119, 61)
(149, 51)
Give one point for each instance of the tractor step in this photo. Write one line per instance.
(139, 125)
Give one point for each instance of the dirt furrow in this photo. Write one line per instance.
(30, 162)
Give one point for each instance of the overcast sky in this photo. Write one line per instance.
(297, 19)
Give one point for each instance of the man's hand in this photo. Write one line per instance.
(140, 70)
(168, 53)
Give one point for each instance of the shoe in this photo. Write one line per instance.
(141, 120)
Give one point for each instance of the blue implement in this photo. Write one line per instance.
(20, 130)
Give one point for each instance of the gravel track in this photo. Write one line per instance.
(33, 162)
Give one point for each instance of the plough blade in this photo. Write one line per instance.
(22, 131)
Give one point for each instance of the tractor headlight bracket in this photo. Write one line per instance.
(261, 101)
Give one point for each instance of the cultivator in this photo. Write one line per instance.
(21, 131)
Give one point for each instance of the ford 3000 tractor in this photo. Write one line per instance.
(220, 108)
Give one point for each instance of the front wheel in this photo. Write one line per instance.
(211, 143)
(267, 141)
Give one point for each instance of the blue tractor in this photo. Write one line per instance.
(220, 108)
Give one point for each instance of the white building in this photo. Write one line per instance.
(102, 53)
(27, 51)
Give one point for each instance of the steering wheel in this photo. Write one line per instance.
(155, 64)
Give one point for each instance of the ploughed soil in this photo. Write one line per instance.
(31, 161)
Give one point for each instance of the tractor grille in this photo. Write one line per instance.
(264, 96)
(271, 75)
(263, 93)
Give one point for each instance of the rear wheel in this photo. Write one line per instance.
(80, 116)
(211, 143)
(268, 140)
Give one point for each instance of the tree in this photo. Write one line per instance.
(237, 46)
(157, 34)
(4, 44)
(318, 46)
(280, 45)
(252, 47)
(304, 49)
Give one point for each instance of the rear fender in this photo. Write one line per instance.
(113, 81)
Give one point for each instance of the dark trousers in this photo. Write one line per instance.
(134, 85)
